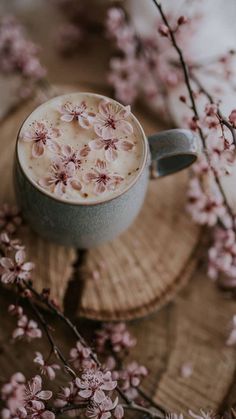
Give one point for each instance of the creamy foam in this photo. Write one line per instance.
(81, 148)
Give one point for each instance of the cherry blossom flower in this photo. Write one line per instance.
(131, 377)
(34, 393)
(27, 329)
(111, 120)
(67, 395)
(10, 218)
(20, 413)
(10, 244)
(60, 177)
(17, 54)
(102, 179)
(12, 393)
(15, 310)
(115, 336)
(70, 112)
(17, 269)
(35, 398)
(41, 135)
(115, 18)
(93, 383)
(231, 341)
(111, 146)
(204, 208)
(84, 151)
(80, 356)
(105, 409)
(222, 254)
(45, 368)
(68, 154)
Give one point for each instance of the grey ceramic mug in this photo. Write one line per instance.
(85, 225)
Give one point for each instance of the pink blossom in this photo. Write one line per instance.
(222, 254)
(35, 398)
(80, 356)
(17, 54)
(232, 118)
(15, 310)
(67, 395)
(124, 76)
(102, 179)
(10, 244)
(84, 151)
(27, 329)
(34, 393)
(131, 377)
(69, 155)
(111, 146)
(60, 177)
(204, 208)
(12, 393)
(163, 30)
(115, 19)
(20, 413)
(186, 370)
(111, 120)
(93, 383)
(105, 409)
(42, 136)
(17, 269)
(231, 341)
(70, 112)
(45, 367)
(10, 218)
(115, 336)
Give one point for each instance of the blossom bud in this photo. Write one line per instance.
(182, 20)
(163, 30)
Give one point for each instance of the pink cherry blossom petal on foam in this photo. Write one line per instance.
(37, 149)
(111, 154)
(89, 177)
(99, 188)
(96, 144)
(67, 118)
(76, 185)
(125, 145)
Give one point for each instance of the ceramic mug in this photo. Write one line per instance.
(85, 225)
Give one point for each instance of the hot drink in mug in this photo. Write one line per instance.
(82, 167)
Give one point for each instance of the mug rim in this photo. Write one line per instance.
(101, 201)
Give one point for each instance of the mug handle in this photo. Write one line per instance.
(173, 150)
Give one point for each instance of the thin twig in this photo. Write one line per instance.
(54, 347)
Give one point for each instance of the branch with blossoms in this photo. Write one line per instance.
(98, 388)
(99, 382)
(159, 61)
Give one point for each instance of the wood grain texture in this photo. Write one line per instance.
(136, 273)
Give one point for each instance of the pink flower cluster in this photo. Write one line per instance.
(17, 54)
(25, 400)
(115, 337)
(94, 386)
(145, 62)
(111, 126)
(26, 329)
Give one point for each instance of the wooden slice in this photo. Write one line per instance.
(133, 275)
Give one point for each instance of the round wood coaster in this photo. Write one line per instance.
(133, 275)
